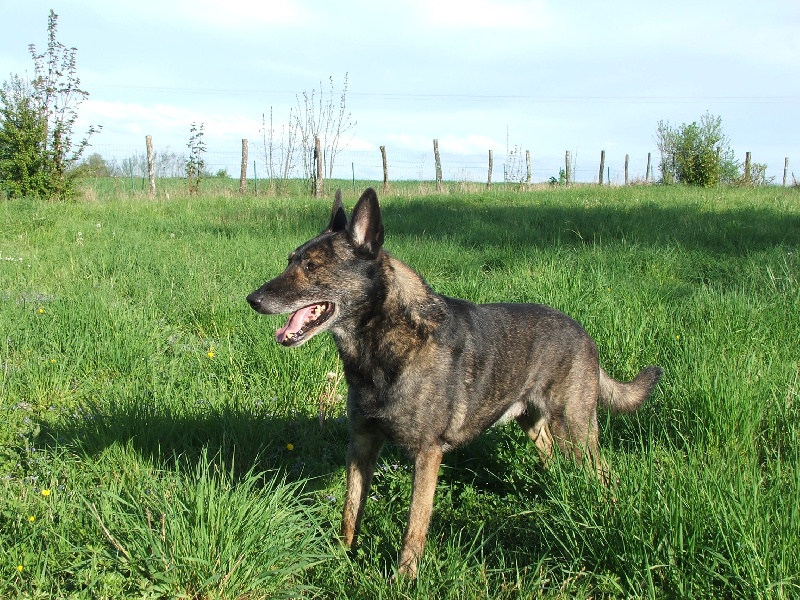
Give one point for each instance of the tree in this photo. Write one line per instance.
(96, 166)
(22, 141)
(57, 88)
(280, 153)
(696, 154)
(39, 117)
(318, 116)
(195, 165)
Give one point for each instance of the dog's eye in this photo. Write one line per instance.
(309, 266)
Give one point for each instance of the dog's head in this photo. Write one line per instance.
(328, 275)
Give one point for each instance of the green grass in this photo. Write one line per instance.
(183, 454)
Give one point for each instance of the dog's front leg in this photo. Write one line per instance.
(426, 472)
(362, 454)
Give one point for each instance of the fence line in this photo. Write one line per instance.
(368, 165)
(387, 165)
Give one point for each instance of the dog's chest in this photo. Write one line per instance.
(411, 416)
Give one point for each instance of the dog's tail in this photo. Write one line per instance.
(617, 396)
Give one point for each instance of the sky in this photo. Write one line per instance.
(541, 75)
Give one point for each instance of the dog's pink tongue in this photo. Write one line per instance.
(294, 324)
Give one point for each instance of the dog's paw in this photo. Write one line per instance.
(407, 570)
(404, 574)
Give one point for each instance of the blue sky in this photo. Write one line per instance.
(542, 75)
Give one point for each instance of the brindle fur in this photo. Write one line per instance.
(430, 373)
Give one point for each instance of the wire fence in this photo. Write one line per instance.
(404, 165)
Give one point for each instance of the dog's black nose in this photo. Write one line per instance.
(254, 300)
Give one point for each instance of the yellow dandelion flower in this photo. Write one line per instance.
(52, 361)
(290, 446)
(678, 338)
(31, 519)
(45, 493)
(19, 568)
(211, 353)
(41, 311)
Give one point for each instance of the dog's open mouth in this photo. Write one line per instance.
(304, 323)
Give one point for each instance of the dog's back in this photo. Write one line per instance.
(446, 378)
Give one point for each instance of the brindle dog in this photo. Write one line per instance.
(430, 373)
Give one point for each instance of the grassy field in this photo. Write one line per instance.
(156, 442)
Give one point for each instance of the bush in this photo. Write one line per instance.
(95, 166)
(696, 154)
(38, 155)
(22, 141)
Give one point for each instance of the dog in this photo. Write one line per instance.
(430, 373)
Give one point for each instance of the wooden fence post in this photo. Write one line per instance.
(528, 168)
(385, 170)
(626, 169)
(243, 172)
(438, 165)
(318, 160)
(491, 163)
(255, 176)
(602, 165)
(785, 171)
(747, 168)
(647, 172)
(568, 167)
(151, 165)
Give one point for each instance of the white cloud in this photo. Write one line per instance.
(229, 17)
(468, 144)
(511, 15)
(357, 144)
(123, 122)
(237, 15)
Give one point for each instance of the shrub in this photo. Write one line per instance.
(22, 141)
(696, 154)
(195, 165)
(38, 155)
(95, 166)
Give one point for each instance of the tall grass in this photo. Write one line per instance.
(155, 441)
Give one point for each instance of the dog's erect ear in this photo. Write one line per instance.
(338, 216)
(366, 226)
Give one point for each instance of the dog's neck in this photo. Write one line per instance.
(406, 311)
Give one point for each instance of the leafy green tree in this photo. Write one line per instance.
(697, 153)
(95, 166)
(22, 141)
(37, 144)
(195, 165)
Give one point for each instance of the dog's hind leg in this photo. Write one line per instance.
(426, 473)
(362, 454)
(536, 429)
(576, 434)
